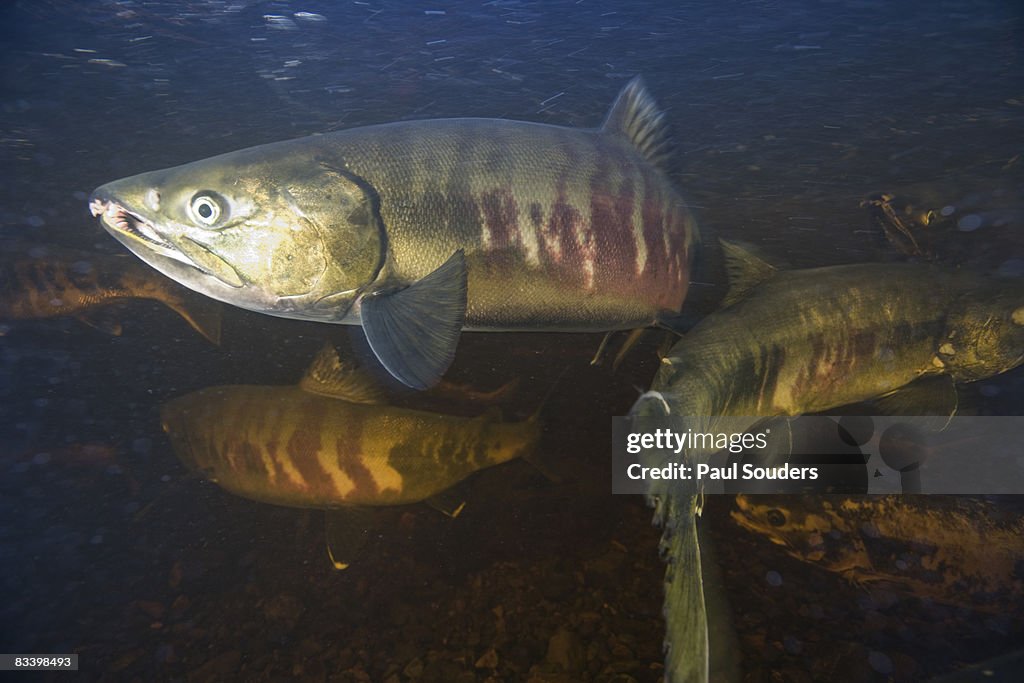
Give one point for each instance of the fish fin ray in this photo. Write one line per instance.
(328, 376)
(746, 271)
(636, 117)
(627, 345)
(414, 331)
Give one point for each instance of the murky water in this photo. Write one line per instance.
(785, 116)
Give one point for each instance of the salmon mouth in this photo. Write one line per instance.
(169, 255)
(117, 218)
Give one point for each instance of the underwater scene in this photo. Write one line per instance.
(315, 317)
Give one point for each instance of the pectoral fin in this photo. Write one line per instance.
(455, 391)
(413, 331)
(723, 645)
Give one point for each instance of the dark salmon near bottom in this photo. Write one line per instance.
(417, 230)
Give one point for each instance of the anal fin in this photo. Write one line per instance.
(346, 531)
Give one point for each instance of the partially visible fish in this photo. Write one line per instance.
(43, 281)
(803, 341)
(931, 220)
(99, 459)
(417, 230)
(331, 443)
(960, 551)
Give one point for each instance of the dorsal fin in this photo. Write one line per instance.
(636, 117)
(328, 376)
(746, 271)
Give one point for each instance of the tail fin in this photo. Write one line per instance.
(686, 626)
(205, 315)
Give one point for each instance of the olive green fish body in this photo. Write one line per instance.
(812, 340)
(562, 228)
(286, 446)
(419, 229)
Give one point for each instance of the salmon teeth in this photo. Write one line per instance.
(124, 220)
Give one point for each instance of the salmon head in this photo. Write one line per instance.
(274, 230)
(985, 335)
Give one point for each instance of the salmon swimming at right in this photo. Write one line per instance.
(789, 343)
(46, 281)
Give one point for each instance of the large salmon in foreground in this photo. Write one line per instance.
(417, 230)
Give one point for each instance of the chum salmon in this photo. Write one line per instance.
(416, 230)
(787, 343)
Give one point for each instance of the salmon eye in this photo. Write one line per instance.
(205, 209)
(776, 518)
